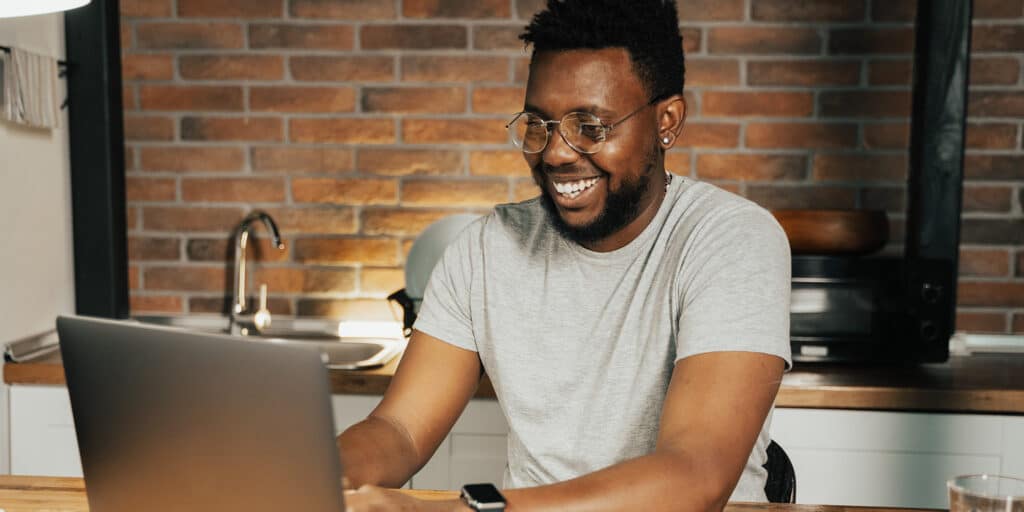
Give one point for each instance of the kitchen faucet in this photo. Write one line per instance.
(260, 319)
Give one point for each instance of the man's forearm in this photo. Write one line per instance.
(376, 451)
(659, 481)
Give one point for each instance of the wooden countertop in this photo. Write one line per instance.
(44, 494)
(977, 384)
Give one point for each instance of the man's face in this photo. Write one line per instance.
(615, 181)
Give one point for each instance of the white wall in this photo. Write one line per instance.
(36, 266)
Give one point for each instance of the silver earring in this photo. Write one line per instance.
(665, 140)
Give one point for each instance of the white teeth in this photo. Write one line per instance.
(573, 189)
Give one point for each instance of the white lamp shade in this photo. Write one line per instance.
(12, 8)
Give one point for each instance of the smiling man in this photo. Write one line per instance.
(635, 326)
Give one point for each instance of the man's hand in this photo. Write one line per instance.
(370, 498)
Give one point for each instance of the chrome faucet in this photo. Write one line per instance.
(260, 319)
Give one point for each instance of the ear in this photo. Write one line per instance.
(671, 117)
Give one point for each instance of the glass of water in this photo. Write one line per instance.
(986, 493)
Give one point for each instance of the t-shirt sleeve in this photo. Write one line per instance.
(735, 287)
(445, 312)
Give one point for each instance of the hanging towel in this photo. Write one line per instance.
(31, 89)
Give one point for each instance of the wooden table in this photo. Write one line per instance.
(46, 494)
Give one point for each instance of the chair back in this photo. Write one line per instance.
(781, 484)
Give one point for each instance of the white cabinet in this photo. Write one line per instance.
(43, 432)
(897, 459)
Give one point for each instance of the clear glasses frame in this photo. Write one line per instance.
(587, 137)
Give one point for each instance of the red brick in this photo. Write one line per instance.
(994, 167)
(259, 249)
(498, 163)
(129, 159)
(367, 251)
(188, 36)
(345, 190)
(521, 71)
(188, 158)
(747, 167)
(456, 8)
(777, 197)
(126, 37)
(324, 37)
(865, 104)
(381, 281)
(524, 189)
(131, 218)
(1018, 323)
(302, 99)
(400, 221)
(232, 128)
(336, 220)
(801, 135)
(155, 304)
(497, 37)
(193, 97)
(147, 67)
(991, 199)
(997, 38)
(889, 199)
(453, 68)
(452, 131)
(233, 190)
(692, 39)
(369, 131)
(454, 193)
(145, 8)
(1020, 263)
(293, 159)
(991, 294)
(134, 277)
(996, 103)
(342, 69)
(986, 9)
(820, 10)
(220, 305)
(231, 67)
(813, 73)
(678, 162)
(128, 97)
(893, 10)
(151, 248)
(710, 72)
(981, 322)
(498, 100)
(984, 263)
(992, 231)
(757, 104)
(418, 100)
(231, 8)
(181, 278)
(148, 128)
(859, 41)
(710, 10)
(412, 37)
(890, 72)
(401, 162)
(150, 189)
(709, 135)
(346, 309)
(191, 218)
(991, 136)
(886, 135)
(763, 40)
(525, 9)
(857, 167)
(306, 280)
(994, 70)
(345, 9)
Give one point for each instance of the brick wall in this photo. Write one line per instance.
(356, 123)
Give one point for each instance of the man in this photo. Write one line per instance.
(634, 325)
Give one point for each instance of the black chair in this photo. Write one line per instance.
(781, 484)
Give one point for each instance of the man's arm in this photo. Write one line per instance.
(431, 387)
(714, 410)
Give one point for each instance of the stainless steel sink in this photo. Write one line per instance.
(344, 345)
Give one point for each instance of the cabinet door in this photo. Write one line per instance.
(43, 439)
(474, 451)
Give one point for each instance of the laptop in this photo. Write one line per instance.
(173, 420)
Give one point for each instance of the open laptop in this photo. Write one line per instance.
(172, 420)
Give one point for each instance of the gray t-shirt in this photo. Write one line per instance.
(580, 345)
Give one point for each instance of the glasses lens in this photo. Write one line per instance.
(583, 131)
(529, 133)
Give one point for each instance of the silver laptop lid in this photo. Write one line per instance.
(171, 420)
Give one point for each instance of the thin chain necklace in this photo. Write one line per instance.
(668, 180)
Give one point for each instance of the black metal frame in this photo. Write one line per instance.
(96, 133)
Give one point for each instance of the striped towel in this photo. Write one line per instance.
(30, 89)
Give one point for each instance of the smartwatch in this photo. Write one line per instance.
(483, 497)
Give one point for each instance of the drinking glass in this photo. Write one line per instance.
(986, 493)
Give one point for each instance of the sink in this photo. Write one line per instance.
(343, 345)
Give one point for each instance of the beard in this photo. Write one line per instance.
(621, 207)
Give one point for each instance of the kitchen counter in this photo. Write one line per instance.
(39, 494)
(975, 384)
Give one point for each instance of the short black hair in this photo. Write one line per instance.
(647, 29)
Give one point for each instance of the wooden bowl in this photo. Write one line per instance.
(834, 232)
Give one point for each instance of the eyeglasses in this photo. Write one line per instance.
(582, 131)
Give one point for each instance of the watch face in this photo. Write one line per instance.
(483, 493)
